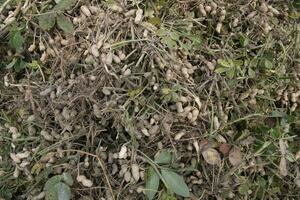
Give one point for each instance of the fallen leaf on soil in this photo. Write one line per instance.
(235, 156)
(297, 155)
(197, 148)
(221, 139)
(282, 147)
(248, 141)
(204, 145)
(297, 179)
(211, 156)
(224, 148)
(122, 152)
(283, 167)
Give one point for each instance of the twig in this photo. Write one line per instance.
(110, 73)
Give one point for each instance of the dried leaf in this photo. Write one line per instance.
(235, 156)
(135, 171)
(123, 152)
(211, 156)
(197, 148)
(248, 141)
(283, 167)
(224, 148)
(204, 144)
(282, 147)
(297, 156)
(297, 179)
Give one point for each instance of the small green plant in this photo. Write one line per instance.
(171, 180)
(55, 15)
(186, 41)
(58, 187)
(17, 64)
(16, 40)
(231, 67)
(170, 94)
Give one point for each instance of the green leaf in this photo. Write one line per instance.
(65, 24)
(11, 64)
(152, 183)
(67, 178)
(16, 40)
(47, 21)
(237, 63)
(231, 73)
(166, 90)
(64, 5)
(34, 65)
(168, 196)
(63, 191)
(243, 189)
(52, 182)
(155, 21)
(60, 191)
(251, 73)
(174, 36)
(187, 46)
(175, 183)
(161, 32)
(168, 41)
(44, 174)
(267, 64)
(220, 70)
(174, 97)
(274, 190)
(244, 41)
(225, 63)
(162, 2)
(20, 64)
(261, 182)
(163, 157)
(196, 41)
